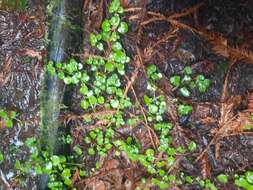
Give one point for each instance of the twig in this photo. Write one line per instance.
(8, 186)
(146, 122)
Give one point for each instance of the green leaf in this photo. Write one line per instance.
(50, 68)
(38, 169)
(84, 89)
(249, 176)
(48, 168)
(186, 79)
(58, 65)
(153, 109)
(147, 100)
(185, 92)
(222, 178)
(91, 151)
(85, 77)
(78, 150)
(101, 100)
(100, 46)
(106, 26)
(116, 46)
(115, 20)
(114, 103)
(85, 104)
(67, 80)
(92, 100)
(170, 160)
(114, 37)
(242, 182)
(121, 68)
(150, 152)
(55, 160)
(175, 80)
(109, 66)
(30, 142)
(184, 109)
(61, 75)
(200, 78)
(82, 173)
(189, 179)
(192, 146)
(114, 6)
(120, 10)
(151, 69)
(8, 123)
(3, 114)
(188, 70)
(119, 56)
(123, 28)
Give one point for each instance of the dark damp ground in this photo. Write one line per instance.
(21, 60)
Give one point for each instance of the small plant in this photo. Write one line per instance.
(186, 82)
(207, 183)
(7, 118)
(59, 168)
(245, 181)
(102, 85)
(156, 107)
(192, 146)
(153, 73)
(222, 178)
(184, 109)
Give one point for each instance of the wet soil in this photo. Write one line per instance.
(21, 70)
(231, 153)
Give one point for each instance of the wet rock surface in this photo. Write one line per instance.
(20, 76)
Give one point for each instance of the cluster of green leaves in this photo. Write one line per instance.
(245, 181)
(207, 183)
(156, 107)
(186, 82)
(99, 141)
(152, 73)
(59, 168)
(100, 80)
(7, 117)
(184, 109)
(101, 85)
(104, 72)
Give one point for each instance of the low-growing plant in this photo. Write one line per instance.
(185, 83)
(245, 181)
(184, 109)
(222, 178)
(102, 84)
(7, 118)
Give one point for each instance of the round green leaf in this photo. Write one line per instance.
(106, 26)
(185, 92)
(114, 103)
(123, 28)
(109, 66)
(222, 178)
(85, 104)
